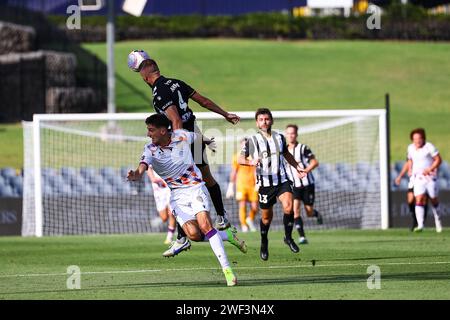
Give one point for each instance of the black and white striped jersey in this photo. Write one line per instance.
(271, 170)
(302, 154)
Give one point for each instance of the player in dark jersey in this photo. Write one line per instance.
(170, 97)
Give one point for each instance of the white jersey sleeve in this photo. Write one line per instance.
(432, 149)
(146, 157)
(409, 152)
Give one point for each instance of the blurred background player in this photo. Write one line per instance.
(244, 178)
(410, 193)
(302, 182)
(267, 151)
(169, 156)
(424, 160)
(161, 192)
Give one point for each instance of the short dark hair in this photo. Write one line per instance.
(263, 111)
(420, 131)
(158, 120)
(293, 126)
(149, 62)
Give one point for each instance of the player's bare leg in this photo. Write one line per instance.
(251, 216)
(421, 201)
(412, 208)
(216, 243)
(216, 197)
(298, 222)
(266, 220)
(243, 215)
(170, 228)
(436, 213)
(313, 213)
(286, 200)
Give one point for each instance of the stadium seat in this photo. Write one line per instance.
(6, 191)
(8, 172)
(404, 184)
(47, 190)
(87, 172)
(48, 172)
(56, 181)
(124, 171)
(444, 172)
(362, 167)
(108, 172)
(77, 181)
(342, 167)
(68, 172)
(399, 165)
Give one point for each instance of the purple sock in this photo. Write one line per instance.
(210, 233)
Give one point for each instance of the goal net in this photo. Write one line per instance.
(76, 164)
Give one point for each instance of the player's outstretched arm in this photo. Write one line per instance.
(135, 175)
(291, 160)
(402, 172)
(212, 106)
(174, 117)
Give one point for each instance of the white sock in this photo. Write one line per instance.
(217, 246)
(420, 214)
(437, 217)
(170, 233)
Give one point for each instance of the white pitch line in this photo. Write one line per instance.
(236, 268)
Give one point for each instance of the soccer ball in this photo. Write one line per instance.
(135, 58)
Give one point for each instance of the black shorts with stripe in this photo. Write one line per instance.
(268, 195)
(305, 194)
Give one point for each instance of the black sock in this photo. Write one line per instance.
(216, 197)
(426, 212)
(316, 213)
(264, 229)
(181, 233)
(298, 223)
(412, 210)
(288, 221)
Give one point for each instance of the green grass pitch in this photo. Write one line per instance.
(288, 75)
(333, 266)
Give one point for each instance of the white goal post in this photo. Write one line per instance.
(316, 123)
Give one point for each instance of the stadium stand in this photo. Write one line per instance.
(110, 181)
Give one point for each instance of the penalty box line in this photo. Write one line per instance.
(235, 268)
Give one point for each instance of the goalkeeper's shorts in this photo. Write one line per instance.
(246, 193)
(187, 202)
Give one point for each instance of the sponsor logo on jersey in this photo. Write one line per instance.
(174, 86)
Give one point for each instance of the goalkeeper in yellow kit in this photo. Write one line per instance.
(244, 178)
